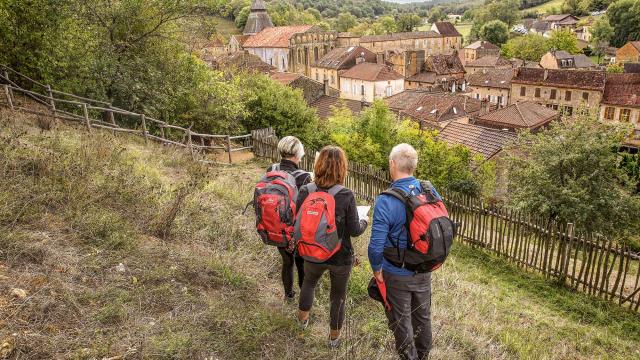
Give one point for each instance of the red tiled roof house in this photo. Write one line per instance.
(369, 81)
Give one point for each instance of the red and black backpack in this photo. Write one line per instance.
(430, 232)
(315, 233)
(274, 202)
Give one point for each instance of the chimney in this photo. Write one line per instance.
(546, 74)
(486, 105)
(326, 87)
(360, 58)
(380, 58)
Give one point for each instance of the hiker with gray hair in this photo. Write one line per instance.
(408, 292)
(291, 152)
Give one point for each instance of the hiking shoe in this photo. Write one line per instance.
(290, 298)
(335, 343)
(303, 324)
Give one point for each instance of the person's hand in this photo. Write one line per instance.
(356, 260)
(378, 275)
(365, 218)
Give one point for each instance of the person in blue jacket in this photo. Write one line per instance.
(408, 292)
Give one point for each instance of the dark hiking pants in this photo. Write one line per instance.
(339, 275)
(288, 262)
(410, 315)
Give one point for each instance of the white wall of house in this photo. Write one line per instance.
(278, 57)
(356, 89)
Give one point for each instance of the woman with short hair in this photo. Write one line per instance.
(330, 171)
(291, 152)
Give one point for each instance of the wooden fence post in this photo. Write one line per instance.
(85, 112)
(51, 101)
(8, 94)
(189, 144)
(229, 148)
(112, 118)
(144, 129)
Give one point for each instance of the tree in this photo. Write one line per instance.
(436, 14)
(384, 25)
(623, 16)
(571, 174)
(345, 21)
(408, 22)
(601, 34)
(241, 19)
(563, 40)
(495, 32)
(575, 7)
(614, 69)
(507, 11)
(530, 47)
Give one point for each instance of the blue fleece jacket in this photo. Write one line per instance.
(389, 217)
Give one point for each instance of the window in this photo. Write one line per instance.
(283, 66)
(567, 95)
(552, 96)
(609, 112)
(361, 89)
(333, 79)
(537, 92)
(567, 110)
(315, 54)
(271, 61)
(317, 76)
(523, 91)
(389, 91)
(355, 89)
(625, 114)
(585, 96)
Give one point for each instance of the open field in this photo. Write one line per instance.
(463, 28)
(196, 282)
(543, 8)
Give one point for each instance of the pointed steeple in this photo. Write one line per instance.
(258, 18)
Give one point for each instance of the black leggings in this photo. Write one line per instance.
(288, 261)
(339, 275)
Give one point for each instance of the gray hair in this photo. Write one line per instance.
(290, 146)
(405, 157)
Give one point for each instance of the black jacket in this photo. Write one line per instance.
(348, 223)
(289, 166)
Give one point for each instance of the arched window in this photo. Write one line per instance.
(315, 54)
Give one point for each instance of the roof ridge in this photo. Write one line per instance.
(521, 116)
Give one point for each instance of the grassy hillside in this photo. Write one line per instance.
(543, 8)
(127, 250)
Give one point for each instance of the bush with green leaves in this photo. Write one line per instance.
(570, 173)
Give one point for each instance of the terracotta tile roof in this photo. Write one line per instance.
(574, 79)
(521, 115)
(481, 45)
(325, 105)
(622, 90)
(636, 44)
(490, 61)
(579, 61)
(344, 57)
(275, 37)
(371, 72)
(239, 60)
(446, 28)
(346, 35)
(480, 140)
(424, 77)
(400, 36)
(541, 26)
(494, 78)
(425, 106)
(558, 17)
(285, 78)
(241, 38)
(444, 64)
(632, 67)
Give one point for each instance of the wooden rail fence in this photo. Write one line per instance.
(102, 115)
(590, 264)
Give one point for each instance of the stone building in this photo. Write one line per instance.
(562, 21)
(346, 39)
(338, 60)
(480, 140)
(564, 90)
(258, 19)
(493, 85)
(430, 41)
(291, 48)
(311, 90)
(621, 102)
(478, 50)
(236, 42)
(559, 59)
(629, 53)
(444, 72)
(451, 38)
(369, 81)
(488, 62)
(406, 62)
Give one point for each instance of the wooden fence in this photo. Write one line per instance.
(102, 115)
(591, 264)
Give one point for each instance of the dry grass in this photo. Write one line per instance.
(73, 208)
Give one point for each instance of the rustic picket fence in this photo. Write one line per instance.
(590, 264)
(102, 115)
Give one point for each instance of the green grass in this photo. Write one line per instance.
(210, 288)
(226, 27)
(543, 8)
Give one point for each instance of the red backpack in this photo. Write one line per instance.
(274, 202)
(315, 230)
(430, 231)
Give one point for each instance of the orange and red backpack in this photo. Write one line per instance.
(430, 232)
(315, 231)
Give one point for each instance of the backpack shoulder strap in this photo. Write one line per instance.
(312, 187)
(396, 193)
(275, 167)
(335, 189)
